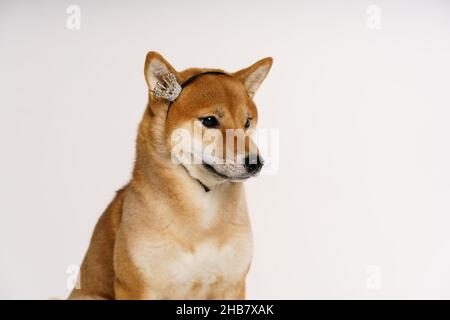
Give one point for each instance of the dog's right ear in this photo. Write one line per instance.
(253, 76)
(155, 68)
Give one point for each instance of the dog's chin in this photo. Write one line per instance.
(211, 176)
(222, 176)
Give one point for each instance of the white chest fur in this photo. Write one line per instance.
(208, 263)
(174, 272)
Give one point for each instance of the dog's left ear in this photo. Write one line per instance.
(253, 76)
(155, 68)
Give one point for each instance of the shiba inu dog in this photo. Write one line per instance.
(180, 229)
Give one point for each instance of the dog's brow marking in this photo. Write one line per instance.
(220, 112)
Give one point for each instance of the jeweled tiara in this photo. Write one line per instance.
(170, 90)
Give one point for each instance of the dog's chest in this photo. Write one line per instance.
(178, 263)
(209, 263)
(176, 272)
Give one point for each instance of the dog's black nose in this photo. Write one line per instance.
(253, 163)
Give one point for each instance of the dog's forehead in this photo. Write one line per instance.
(217, 90)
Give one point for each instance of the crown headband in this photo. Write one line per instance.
(170, 90)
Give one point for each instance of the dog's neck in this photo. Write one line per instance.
(202, 184)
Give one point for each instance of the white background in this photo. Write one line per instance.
(360, 206)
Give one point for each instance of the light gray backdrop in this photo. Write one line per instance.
(359, 92)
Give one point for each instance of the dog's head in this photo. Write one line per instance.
(209, 117)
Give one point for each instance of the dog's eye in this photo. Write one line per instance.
(210, 122)
(247, 124)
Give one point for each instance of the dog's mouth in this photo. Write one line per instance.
(213, 170)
